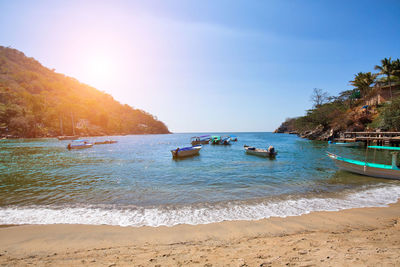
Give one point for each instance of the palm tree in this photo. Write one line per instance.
(386, 69)
(396, 68)
(363, 81)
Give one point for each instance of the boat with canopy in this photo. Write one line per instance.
(225, 140)
(369, 168)
(200, 140)
(186, 151)
(215, 140)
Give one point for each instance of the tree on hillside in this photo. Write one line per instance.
(396, 68)
(391, 115)
(36, 102)
(363, 81)
(386, 68)
(319, 97)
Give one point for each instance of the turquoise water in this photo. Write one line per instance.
(136, 182)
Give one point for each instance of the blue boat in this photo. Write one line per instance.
(225, 140)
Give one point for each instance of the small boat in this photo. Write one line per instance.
(186, 151)
(105, 142)
(348, 144)
(270, 152)
(67, 137)
(200, 140)
(233, 138)
(215, 140)
(79, 144)
(225, 140)
(369, 168)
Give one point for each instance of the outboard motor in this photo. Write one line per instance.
(271, 149)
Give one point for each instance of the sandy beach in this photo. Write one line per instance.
(363, 237)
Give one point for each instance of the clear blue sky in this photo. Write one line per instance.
(207, 65)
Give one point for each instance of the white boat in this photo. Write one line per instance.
(79, 144)
(67, 137)
(225, 140)
(186, 151)
(369, 168)
(348, 144)
(260, 152)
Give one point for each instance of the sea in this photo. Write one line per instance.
(136, 182)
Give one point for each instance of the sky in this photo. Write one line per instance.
(207, 66)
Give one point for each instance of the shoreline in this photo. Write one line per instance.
(273, 241)
(92, 136)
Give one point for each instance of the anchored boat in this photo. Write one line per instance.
(348, 144)
(79, 144)
(270, 152)
(186, 151)
(369, 168)
(225, 140)
(105, 142)
(67, 137)
(200, 140)
(215, 140)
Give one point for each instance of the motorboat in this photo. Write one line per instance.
(368, 168)
(186, 151)
(347, 144)
(200, 140)
(67, 137)
(225, 140)
(79, 144)
(105, 142)
(270, 152)
(234, 138)
(215, 140)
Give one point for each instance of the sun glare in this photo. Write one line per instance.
(99, 67)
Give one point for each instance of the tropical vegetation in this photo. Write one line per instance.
(348, 111)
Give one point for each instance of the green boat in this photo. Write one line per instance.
(215, 140)
(368, 168)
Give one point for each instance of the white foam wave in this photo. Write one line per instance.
(376, 197)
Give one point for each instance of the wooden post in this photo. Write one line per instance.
(394, 160)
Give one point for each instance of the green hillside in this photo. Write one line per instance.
(37, 102)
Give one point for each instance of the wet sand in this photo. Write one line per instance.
(355, 237)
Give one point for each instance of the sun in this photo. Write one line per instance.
(99, 69)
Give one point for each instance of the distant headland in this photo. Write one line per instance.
(38, 102)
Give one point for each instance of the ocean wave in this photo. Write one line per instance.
(199, 213)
